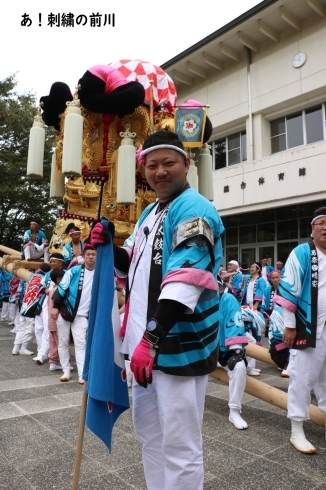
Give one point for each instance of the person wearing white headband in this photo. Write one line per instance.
(233, 279)
(73, 251)
(171, 319)
(35, 243)
(302, 295)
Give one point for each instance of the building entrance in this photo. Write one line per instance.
(272, 232)
(254, 253)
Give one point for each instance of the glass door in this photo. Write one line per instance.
(254, 253)
(267, 251)
(248, 255)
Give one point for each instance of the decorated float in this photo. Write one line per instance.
(94, 166)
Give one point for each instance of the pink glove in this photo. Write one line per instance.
(142, 362)
(99, 235)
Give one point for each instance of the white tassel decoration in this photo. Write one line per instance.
(126, 179)
(36, 149)
(72, 140)
(57, 182)
(192, 175)
(205, 174)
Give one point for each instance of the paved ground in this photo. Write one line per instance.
(39, 419)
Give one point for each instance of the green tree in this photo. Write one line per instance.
(21, 198)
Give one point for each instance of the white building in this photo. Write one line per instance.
(264, 77)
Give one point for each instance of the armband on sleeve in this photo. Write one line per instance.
(194, 231)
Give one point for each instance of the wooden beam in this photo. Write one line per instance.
(268, 31)
(10, 251)
(197, 70)
(318, 7)
(181, 77)
(290, 18)
(211, 61)
(269, 394)
(230, 52)
(247, 41)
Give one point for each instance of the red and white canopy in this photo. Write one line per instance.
(164, 91)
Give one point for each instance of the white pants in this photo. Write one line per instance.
(4, 311)
(250, 360)
(25, 331)
(320, 392)
(30, 252)
(78, 330)
(237, 383)
(13, 308)
(306, 368)
(42, 331)
(17, 317)
(168, 417)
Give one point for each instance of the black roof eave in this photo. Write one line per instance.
(228, 27)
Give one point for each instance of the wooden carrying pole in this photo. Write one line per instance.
(9, 251)
(269, 394)
(23, 274)
(259, 353)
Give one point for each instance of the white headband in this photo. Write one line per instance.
(319, 216)
(159, 147)
(234, 262)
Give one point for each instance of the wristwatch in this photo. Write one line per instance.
(160, 333)
(151, 324)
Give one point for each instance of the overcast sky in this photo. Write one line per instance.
(150, 30)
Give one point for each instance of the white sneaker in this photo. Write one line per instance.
(66, 376)
(253, 372)
(15, 350)
(38, 360)
(11, 323)
(25, 352)
(55, 367)
(80, 381)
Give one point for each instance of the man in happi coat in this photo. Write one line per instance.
(171, 262)
(232, 356)
(303, 300)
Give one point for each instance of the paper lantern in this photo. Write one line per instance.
(72, 140)
(36, 149)
(57, 181)
(126, 169)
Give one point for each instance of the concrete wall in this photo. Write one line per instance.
(277, 89)
(274, 192)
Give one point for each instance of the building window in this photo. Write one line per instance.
(298, 129)
(314, 124)
(230, 150)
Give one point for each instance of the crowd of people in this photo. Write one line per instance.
(53, 305)
(183, 315)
